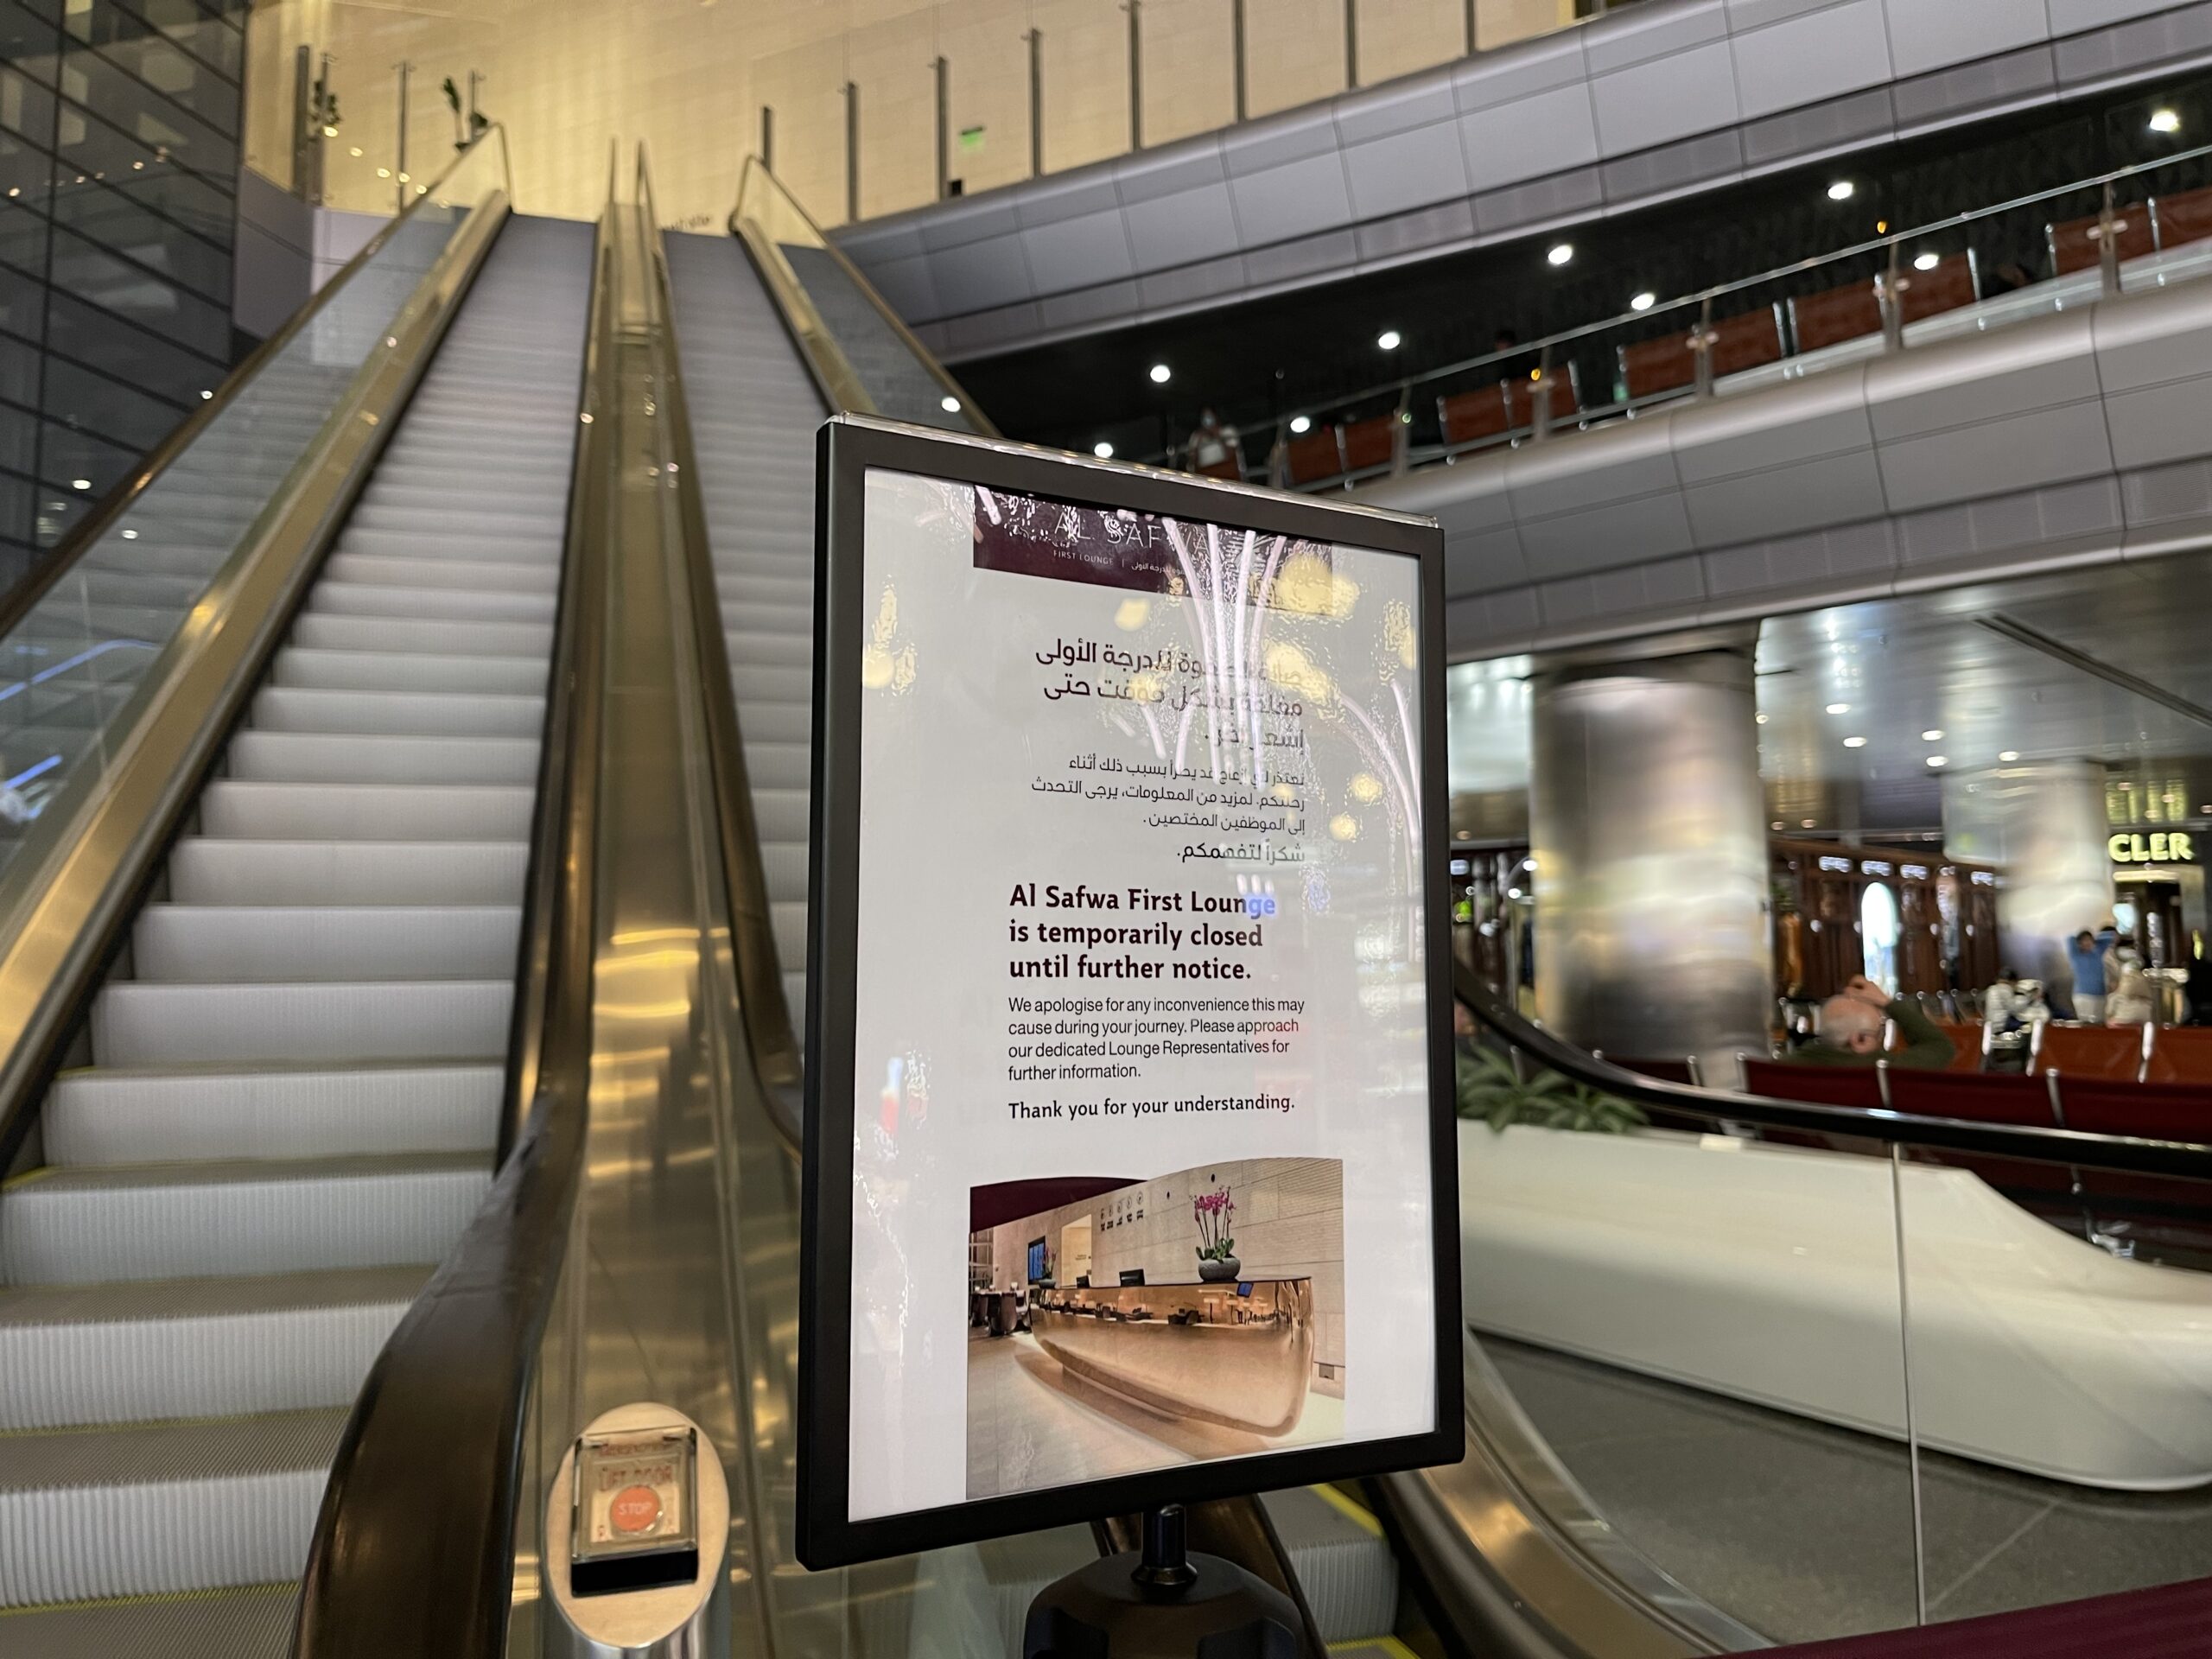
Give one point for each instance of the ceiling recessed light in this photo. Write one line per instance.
(1854, 742)
(1160, 373)
(355, 150)
(1760, 718)
(2165, 121)
(2008, 754)
(1806, 823)
(1842, 190)
(1561, 252)
(1643, 302)
(1932, 734)
(949, 405)
(1388, 339)
(1301, 423)
(1927, 261)
(1103, 450)
(80, 483)
(383, 172)
(130, 535)
(1838, 707)
(1776, 825)
(1939, 760)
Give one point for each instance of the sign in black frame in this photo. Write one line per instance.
(848, 447)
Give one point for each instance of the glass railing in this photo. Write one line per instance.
(1818, 1371)
(863, 356)
(76, 649)
(2139, 227)
(859, 126)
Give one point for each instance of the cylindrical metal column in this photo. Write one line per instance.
(1648, 834)
(2043, 824)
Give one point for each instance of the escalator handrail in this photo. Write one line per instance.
(414, 1546)
(833, 372)
(82, 882)
(2183, 1160)
(772, 1038)
(23, 598)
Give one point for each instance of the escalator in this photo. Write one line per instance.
(279, 1110)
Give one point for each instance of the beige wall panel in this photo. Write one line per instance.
(1295, 53)
(1396, 37)
(1190, 77)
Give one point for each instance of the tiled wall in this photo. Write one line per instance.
(1289, 1224)
(690, 78)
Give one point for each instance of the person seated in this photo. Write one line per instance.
(2134, 1000)
(2013, 1004)
(1851, 1030)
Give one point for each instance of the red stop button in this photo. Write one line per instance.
(635, 1509)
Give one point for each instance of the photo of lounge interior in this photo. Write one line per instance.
(1116, 1326)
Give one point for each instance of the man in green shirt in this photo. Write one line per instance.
(1851, 1031)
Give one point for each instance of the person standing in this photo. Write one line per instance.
(2086, 952)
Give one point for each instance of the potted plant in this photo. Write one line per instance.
(1217, 1250)
(1491, 1091)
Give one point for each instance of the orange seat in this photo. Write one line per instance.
(1840, 314)
(1470, 417)
(1814, 1085)
(2157, 1111)
(1662, 1070)
(2184, 218)
(1370, 445)
(1953, 282)
(1738, 343)
(2077, 244)
(2180, 1054)
(1966, 1044)
(1228, 466)
(1981, 1096)
(1558, 396)
(1315, 456)
(2108, 1051)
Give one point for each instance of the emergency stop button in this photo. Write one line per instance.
(634, 1511)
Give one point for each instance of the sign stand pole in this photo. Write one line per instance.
(1161, 1602)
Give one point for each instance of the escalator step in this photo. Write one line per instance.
(371, 671)
(177, 1024)
(333, 632)
(204, 871)
(446, 605)
(247, 1215)
(114, 1116)
(159, 1509)
(539, 574)
(391, 713)
(214, 944)
(318, 757)
(147, 1350)
(386, 812)
(252, 1622)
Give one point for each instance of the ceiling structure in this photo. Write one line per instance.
(1863, 708)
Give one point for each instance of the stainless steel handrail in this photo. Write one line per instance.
(833, 372)
(436, 1433)
(80, 872)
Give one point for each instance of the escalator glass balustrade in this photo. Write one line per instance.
(281, 1110)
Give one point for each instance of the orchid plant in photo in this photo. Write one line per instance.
(1213, 1210)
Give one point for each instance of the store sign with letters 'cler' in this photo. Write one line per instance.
(2153, 847)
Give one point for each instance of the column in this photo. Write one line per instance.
(2041, 824)
(1648, 831)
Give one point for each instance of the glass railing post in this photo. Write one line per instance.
(1279, 459)
(1401, 434)
(1701, 348)
(1888, 294)
(1540, 399)
(2108, 230)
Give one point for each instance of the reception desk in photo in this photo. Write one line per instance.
(1237, 1355)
